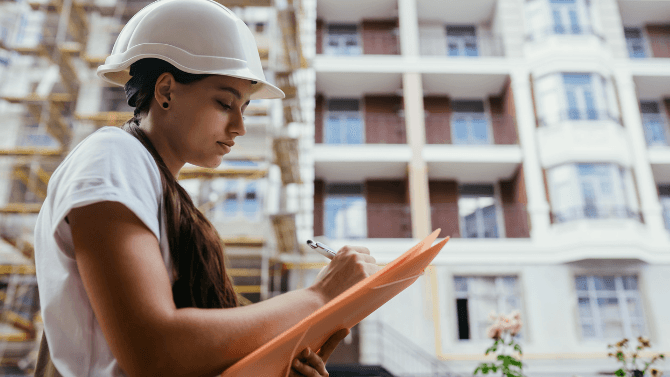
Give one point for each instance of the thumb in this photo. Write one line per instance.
(329, 346)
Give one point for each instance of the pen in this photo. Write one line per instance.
(322, 249)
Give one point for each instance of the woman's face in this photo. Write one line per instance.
(205, 117)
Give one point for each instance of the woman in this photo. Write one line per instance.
(131, 275)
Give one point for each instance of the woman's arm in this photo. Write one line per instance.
(126, 281)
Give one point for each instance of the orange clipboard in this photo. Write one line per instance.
(346, 310)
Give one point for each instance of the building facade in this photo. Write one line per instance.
(534, 134)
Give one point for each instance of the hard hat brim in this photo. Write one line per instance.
(116, 69)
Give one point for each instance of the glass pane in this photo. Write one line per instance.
(471, 48)
(354, 130)
(333, 133)
(483, 286)
(490, 223)
(634, 307)
(612, 330)
(345, 217)
(629, 282)
(558, 24)
(509, 282)
(460, 131)
(588, 331)
(604, 283)
(580, 282)
(480, 130)
(573, 110)
(461, 284)
(609, 308)
(574, 22)
(452, 48)
(591, 112)
(584, 307)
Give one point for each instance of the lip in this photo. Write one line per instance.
(226, 147)
(229, 143)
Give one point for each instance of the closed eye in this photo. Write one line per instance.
(224, 105)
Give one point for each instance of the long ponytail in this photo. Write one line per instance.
(195, 246)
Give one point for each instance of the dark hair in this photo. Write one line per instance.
(195, 246)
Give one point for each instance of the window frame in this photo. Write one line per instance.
(327, 113)
(362, 195)
(486, 115)
(327, 50)
(662, 114)
(499, 215)
(592, 294)
(500, 298)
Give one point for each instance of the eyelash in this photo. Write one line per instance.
(228, 108)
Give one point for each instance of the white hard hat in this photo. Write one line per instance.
(195, 36)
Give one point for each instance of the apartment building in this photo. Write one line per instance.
(534, 134)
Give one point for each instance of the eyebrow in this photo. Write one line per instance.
(234, 91)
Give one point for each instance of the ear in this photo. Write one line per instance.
(164, 87)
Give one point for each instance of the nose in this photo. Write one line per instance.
(237, 124)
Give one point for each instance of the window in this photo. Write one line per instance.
(344, 124)
(579, 96)
(469, 124)
(635, 42)
(342, 39)
(653, 123)
(345, 214)
(234, 199)
(565, 17)
(477, 211)
(591, 191)
(609, 307)
(664, 196)
(32, 136)
(461, 41)
(477, 297)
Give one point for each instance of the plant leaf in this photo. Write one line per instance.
(620, 373)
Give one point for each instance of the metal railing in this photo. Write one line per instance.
(595, 213)
(481, 46)
(401, 356)
(514, 216)
(566, 115)
(583, 30)
(385, 220)
(502, 127)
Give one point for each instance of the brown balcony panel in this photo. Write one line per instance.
(389, 221)
(659, 39)
(380, 37)
(445, 217)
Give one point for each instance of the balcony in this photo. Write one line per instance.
(484, 223)
(438, 44)
(478, 130)
(594, 213)
(358, 220)
(366, 128)
(655, 129)
(575, 115)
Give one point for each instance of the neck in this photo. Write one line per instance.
(162, 144)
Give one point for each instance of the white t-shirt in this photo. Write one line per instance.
(109, 165)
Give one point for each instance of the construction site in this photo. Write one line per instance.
(534, 133)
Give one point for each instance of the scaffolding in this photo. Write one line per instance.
(50, 97)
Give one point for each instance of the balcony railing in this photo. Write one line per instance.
(441, 45)
(594, 213)
(655, 129)
(384, 128)
(514, 215)
(386, 220)
(660, 46)
(557, 30)
(440, 130)
(381, 42)
(567, 115)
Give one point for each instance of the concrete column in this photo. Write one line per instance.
(644, 177)
(409, 27)
(417, 169)
(538, 207)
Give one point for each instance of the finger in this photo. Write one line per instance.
(329, 346)
(303, 369)
(313, 360)
(359, 249)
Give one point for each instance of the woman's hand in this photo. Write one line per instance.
(310, 364)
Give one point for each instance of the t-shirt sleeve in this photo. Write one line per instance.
(110, 165)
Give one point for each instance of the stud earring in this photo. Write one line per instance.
(165, 105)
